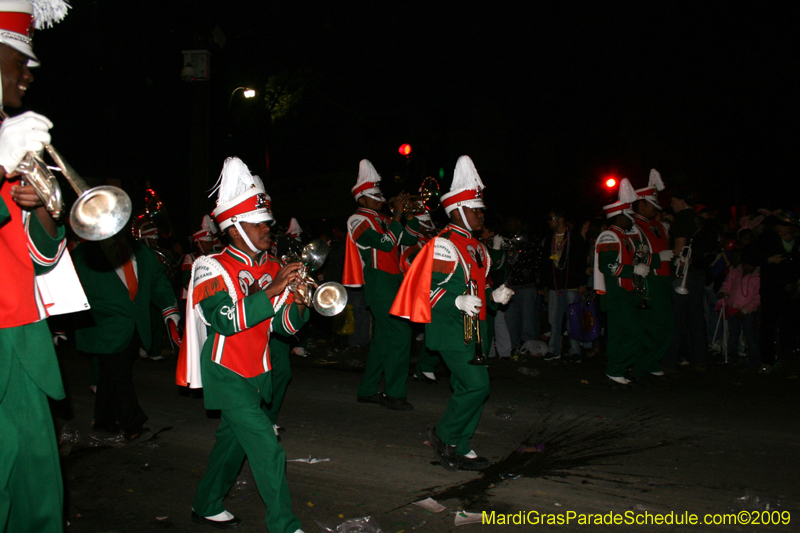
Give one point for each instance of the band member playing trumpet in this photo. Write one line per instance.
(372, 260)
(617, 273)
(690, 337)
(31, 243)
(231, 311)
(660, 321)
(436, 293)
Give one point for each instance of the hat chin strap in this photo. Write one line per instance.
(246, 238)
(463, 218)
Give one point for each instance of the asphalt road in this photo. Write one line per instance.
(718, 442)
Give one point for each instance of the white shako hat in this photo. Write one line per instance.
(654, 186)
(240, 198)
(466, 189)
(425, 220)
(18, 19)
(367, 183)
(207, 232)
(626, 198)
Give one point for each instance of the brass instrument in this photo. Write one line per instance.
(98, 213)
(472, 324)
(682, 269)
(154, 217)
(328, 299)
(640, 282)
(426, 201)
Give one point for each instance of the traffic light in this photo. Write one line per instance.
(611, 182)
(405, 149)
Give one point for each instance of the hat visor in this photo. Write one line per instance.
(23, 48)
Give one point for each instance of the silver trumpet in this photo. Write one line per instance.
(328, 299)
(682, 269)
(98, 213)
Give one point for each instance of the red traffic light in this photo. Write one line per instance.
(405, 149)
(611, 182)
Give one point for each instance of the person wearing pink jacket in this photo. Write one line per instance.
(741, 299)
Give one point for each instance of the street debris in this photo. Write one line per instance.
(310, 460)
(365, 524)
(431, 505)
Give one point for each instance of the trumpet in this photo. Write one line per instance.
(640, 282)
(472, 324)
(98, 213)
(328, 299)
(682, 268)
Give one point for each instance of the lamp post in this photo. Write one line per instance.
(248, 93)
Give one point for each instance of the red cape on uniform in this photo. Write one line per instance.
(353, 275)
(413, 300)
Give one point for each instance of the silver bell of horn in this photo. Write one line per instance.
(98, 213)
(328, 299)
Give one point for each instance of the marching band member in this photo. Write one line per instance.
(661, 320)
(206, 241)
(372, 260)
(31, 243)
(426, 363)
(236, 298)
(437, 292)
(617, 270)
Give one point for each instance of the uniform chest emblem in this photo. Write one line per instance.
(476, 255)
(248, 285)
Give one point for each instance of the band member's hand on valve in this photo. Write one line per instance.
(25, 196)
(502, 294)
(666, 255)
(285, 276)
(20, 135)
(471, 305)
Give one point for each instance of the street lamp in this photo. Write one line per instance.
(248, 93)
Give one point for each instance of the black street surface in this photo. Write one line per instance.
(560, 441)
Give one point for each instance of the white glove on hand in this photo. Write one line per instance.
(470, 305)
(666, 255)
(641, 270)
(497, 242)
(22, 134)
(502, 294)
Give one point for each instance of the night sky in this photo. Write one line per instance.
(547, 98)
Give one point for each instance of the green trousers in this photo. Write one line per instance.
(31, 491)
(389, 353)
(625, 333)
(248, 431)
(657, 325)
(470, 389)
(279, 353)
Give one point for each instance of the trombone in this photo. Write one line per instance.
(682, 268)
(98, 213)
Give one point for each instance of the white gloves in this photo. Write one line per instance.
(666, 255)
(22, 134)
(471, 305)
(502, 294)
(497, 242)
(641, 270)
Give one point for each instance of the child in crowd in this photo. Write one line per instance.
(740, 296)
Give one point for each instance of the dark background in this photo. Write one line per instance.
(547, 98)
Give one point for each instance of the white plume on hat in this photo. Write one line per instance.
(626, 192)
(294, 228)
(466, 176)
(208, 225)
(235, 179)
(655, 180)
(47, 12)
(367, 174)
